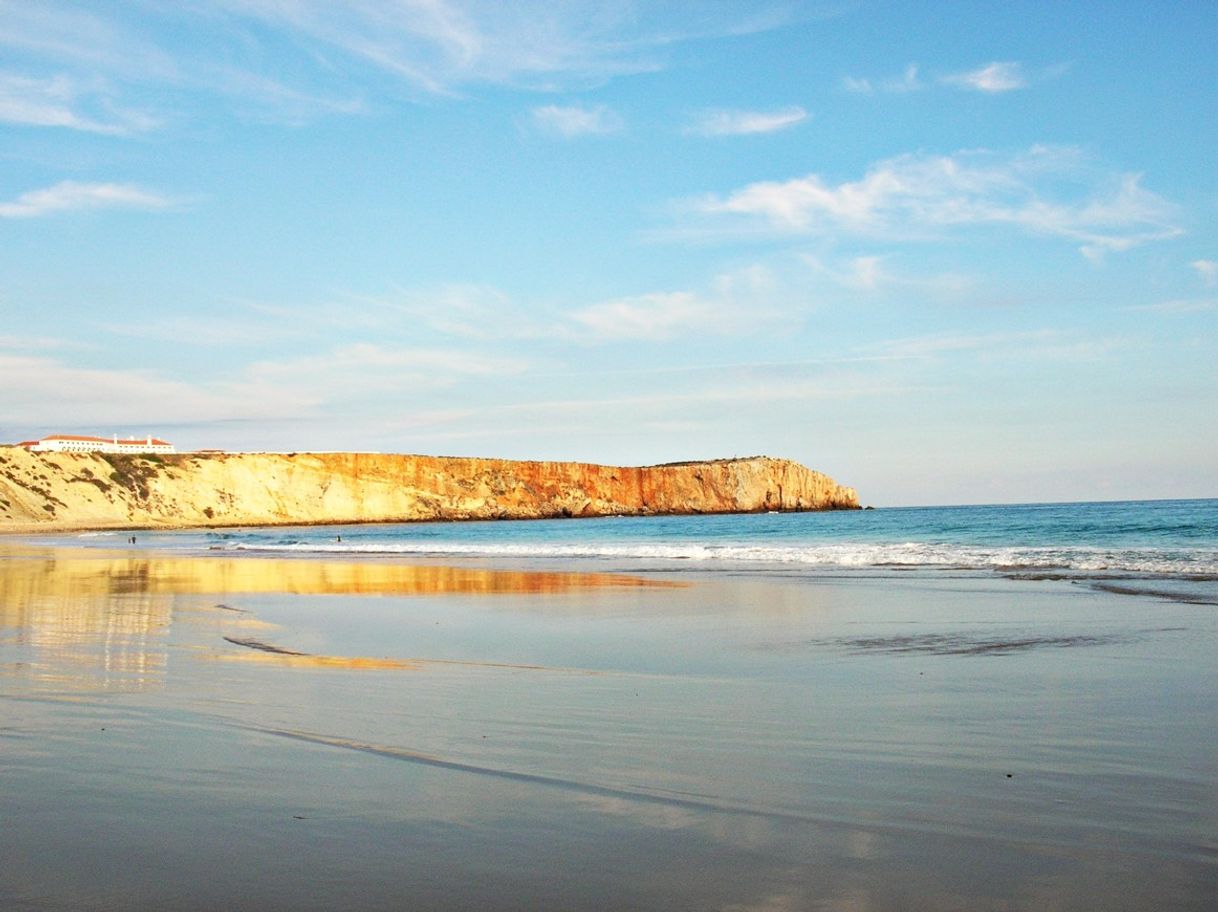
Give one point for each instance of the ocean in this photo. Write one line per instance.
(1161, 539)
(982, 708)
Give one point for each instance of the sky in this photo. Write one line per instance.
(946, 253)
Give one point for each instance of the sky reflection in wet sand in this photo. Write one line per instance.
(462, 737)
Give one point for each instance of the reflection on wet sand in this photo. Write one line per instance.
(69, 572)
(268, 653)
(304, 660)
(71, 632)
(90, 620)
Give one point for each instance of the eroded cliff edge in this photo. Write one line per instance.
(47, 491)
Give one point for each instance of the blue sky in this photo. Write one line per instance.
(964, 252)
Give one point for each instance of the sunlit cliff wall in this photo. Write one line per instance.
(89, 490)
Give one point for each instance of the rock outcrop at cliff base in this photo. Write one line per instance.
(45, 491)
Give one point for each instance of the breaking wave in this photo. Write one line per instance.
(838, 555)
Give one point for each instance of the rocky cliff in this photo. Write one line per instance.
(44, 491)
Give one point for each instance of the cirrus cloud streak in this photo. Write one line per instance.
(744, 123)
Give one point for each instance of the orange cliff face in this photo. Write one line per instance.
(91, 490)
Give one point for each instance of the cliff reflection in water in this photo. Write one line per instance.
(88, 621)
(81, 625)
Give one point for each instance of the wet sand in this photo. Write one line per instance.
(246, 733)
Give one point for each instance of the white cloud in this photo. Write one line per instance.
(907, 82)
(740, 302)
(58, 102)
(70, 195)
(739, 123)
(654, 316)
(915, 195)
(994, 77)
(575, 120)
(1207, 270)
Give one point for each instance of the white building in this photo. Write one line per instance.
(76, 443)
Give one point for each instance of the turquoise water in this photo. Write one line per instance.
(1139, 538)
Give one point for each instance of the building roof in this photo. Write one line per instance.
(156, 441)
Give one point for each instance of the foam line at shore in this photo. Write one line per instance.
(1201, 562)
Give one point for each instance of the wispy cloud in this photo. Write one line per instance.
(60, 102)
(233, 332)
(869, 273)
(740, 301)
(354, 369)
(442, 44)
(743, 123)
(575, 120)
(464, 310)
(1043, 344)
(1207, 270)
(734, 394)
(1000, 76)
(89, 38)
(35, 343)
(993, 78)
(655, 316)
(70, 195)
(267, 99)
(291, 60)
(41, 391)
(1179, 306)
(915, 196)
(908, 81)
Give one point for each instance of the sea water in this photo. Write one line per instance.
(1163, 538)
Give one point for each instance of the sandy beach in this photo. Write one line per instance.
(202, 732)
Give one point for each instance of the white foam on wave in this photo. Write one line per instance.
(835, 555)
